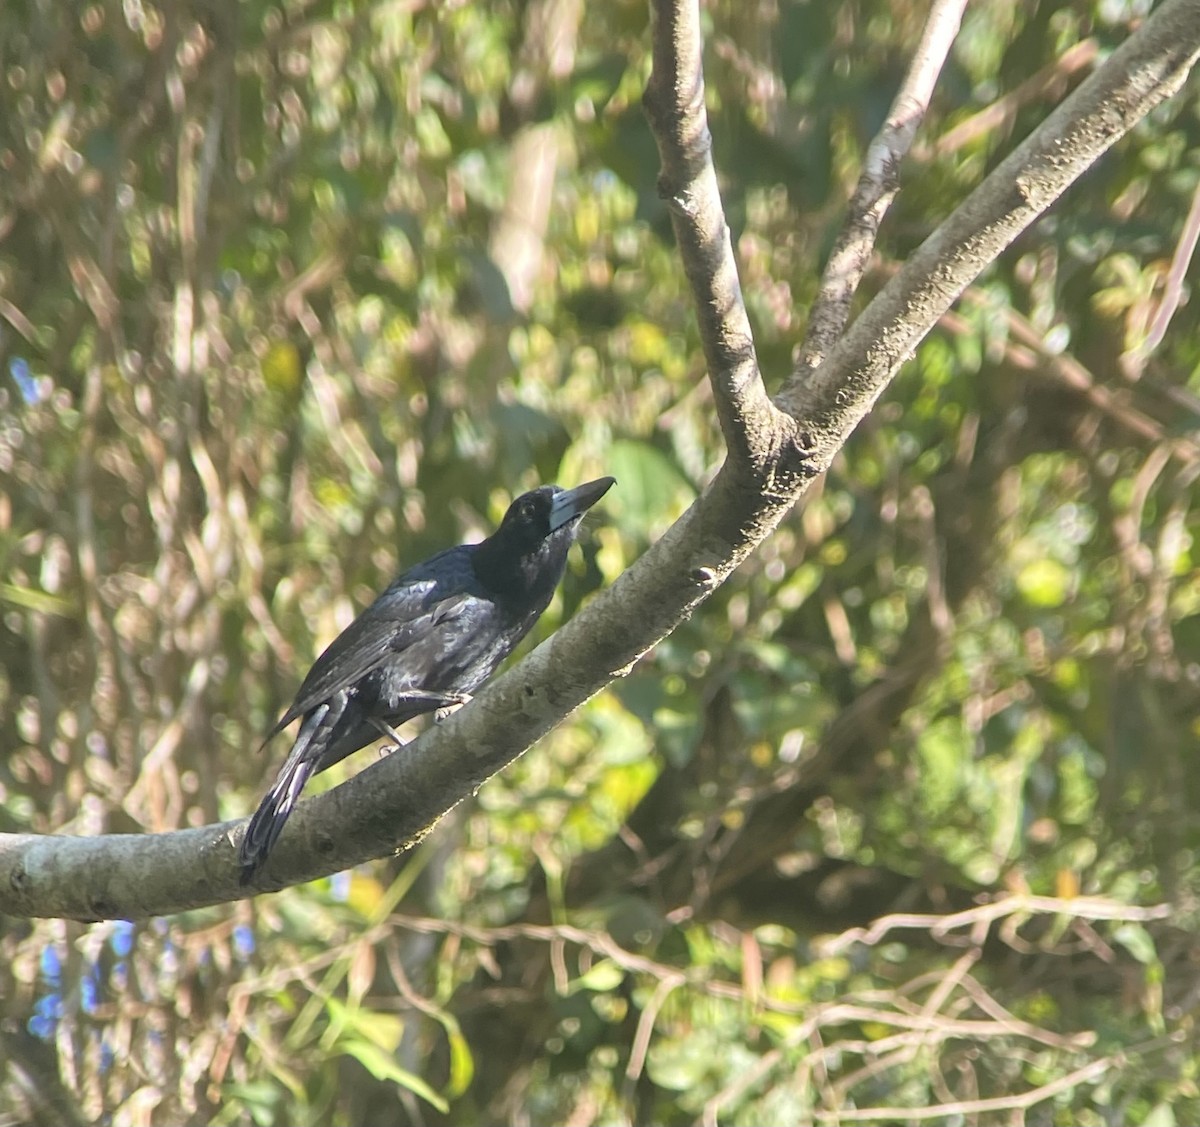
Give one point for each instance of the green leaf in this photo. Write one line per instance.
(1161, 1115)
(1136, 940)
(462, 1063)
(651, 491)
(383, 1066)
(381, 1029)
(603, 977)
(40, 601)
(1044, 583)
(682, 1064)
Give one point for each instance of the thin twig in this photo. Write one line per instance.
(1019, 1102)
(1173, 293)
(878, 185)
(645, 1025)
(1087, 907)
(1004, 110)
(1026, 348)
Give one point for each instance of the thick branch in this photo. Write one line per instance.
(396, 800)
(753, 428)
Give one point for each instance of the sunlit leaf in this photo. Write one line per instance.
(601, 977)
(1044, 583)
(650, 490)
(383, 1066)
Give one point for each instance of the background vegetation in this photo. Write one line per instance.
(293, 294)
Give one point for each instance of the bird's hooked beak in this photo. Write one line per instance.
(572, 503)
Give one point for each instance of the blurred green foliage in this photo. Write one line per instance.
(293, 294)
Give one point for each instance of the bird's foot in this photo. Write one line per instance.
(385, 729)
(430, 699)
(452, 706)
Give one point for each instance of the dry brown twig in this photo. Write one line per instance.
(1135, 361)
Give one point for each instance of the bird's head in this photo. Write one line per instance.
(540, 513)
(530, 546)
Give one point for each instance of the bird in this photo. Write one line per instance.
(432, 638)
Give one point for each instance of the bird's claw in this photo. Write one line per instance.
(452, 707)
(385, 729)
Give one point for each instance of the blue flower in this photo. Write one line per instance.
(30, 390)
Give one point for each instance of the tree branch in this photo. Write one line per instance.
(753, 428)
(771, 461)
(1144, 71)
(878, 185)
(395, 801)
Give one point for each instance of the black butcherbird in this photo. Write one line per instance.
(428, 642)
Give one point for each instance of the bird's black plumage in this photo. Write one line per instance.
(429, 641)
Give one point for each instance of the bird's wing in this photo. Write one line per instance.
(387, 627)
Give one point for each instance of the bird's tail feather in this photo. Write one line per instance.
(276, 807)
